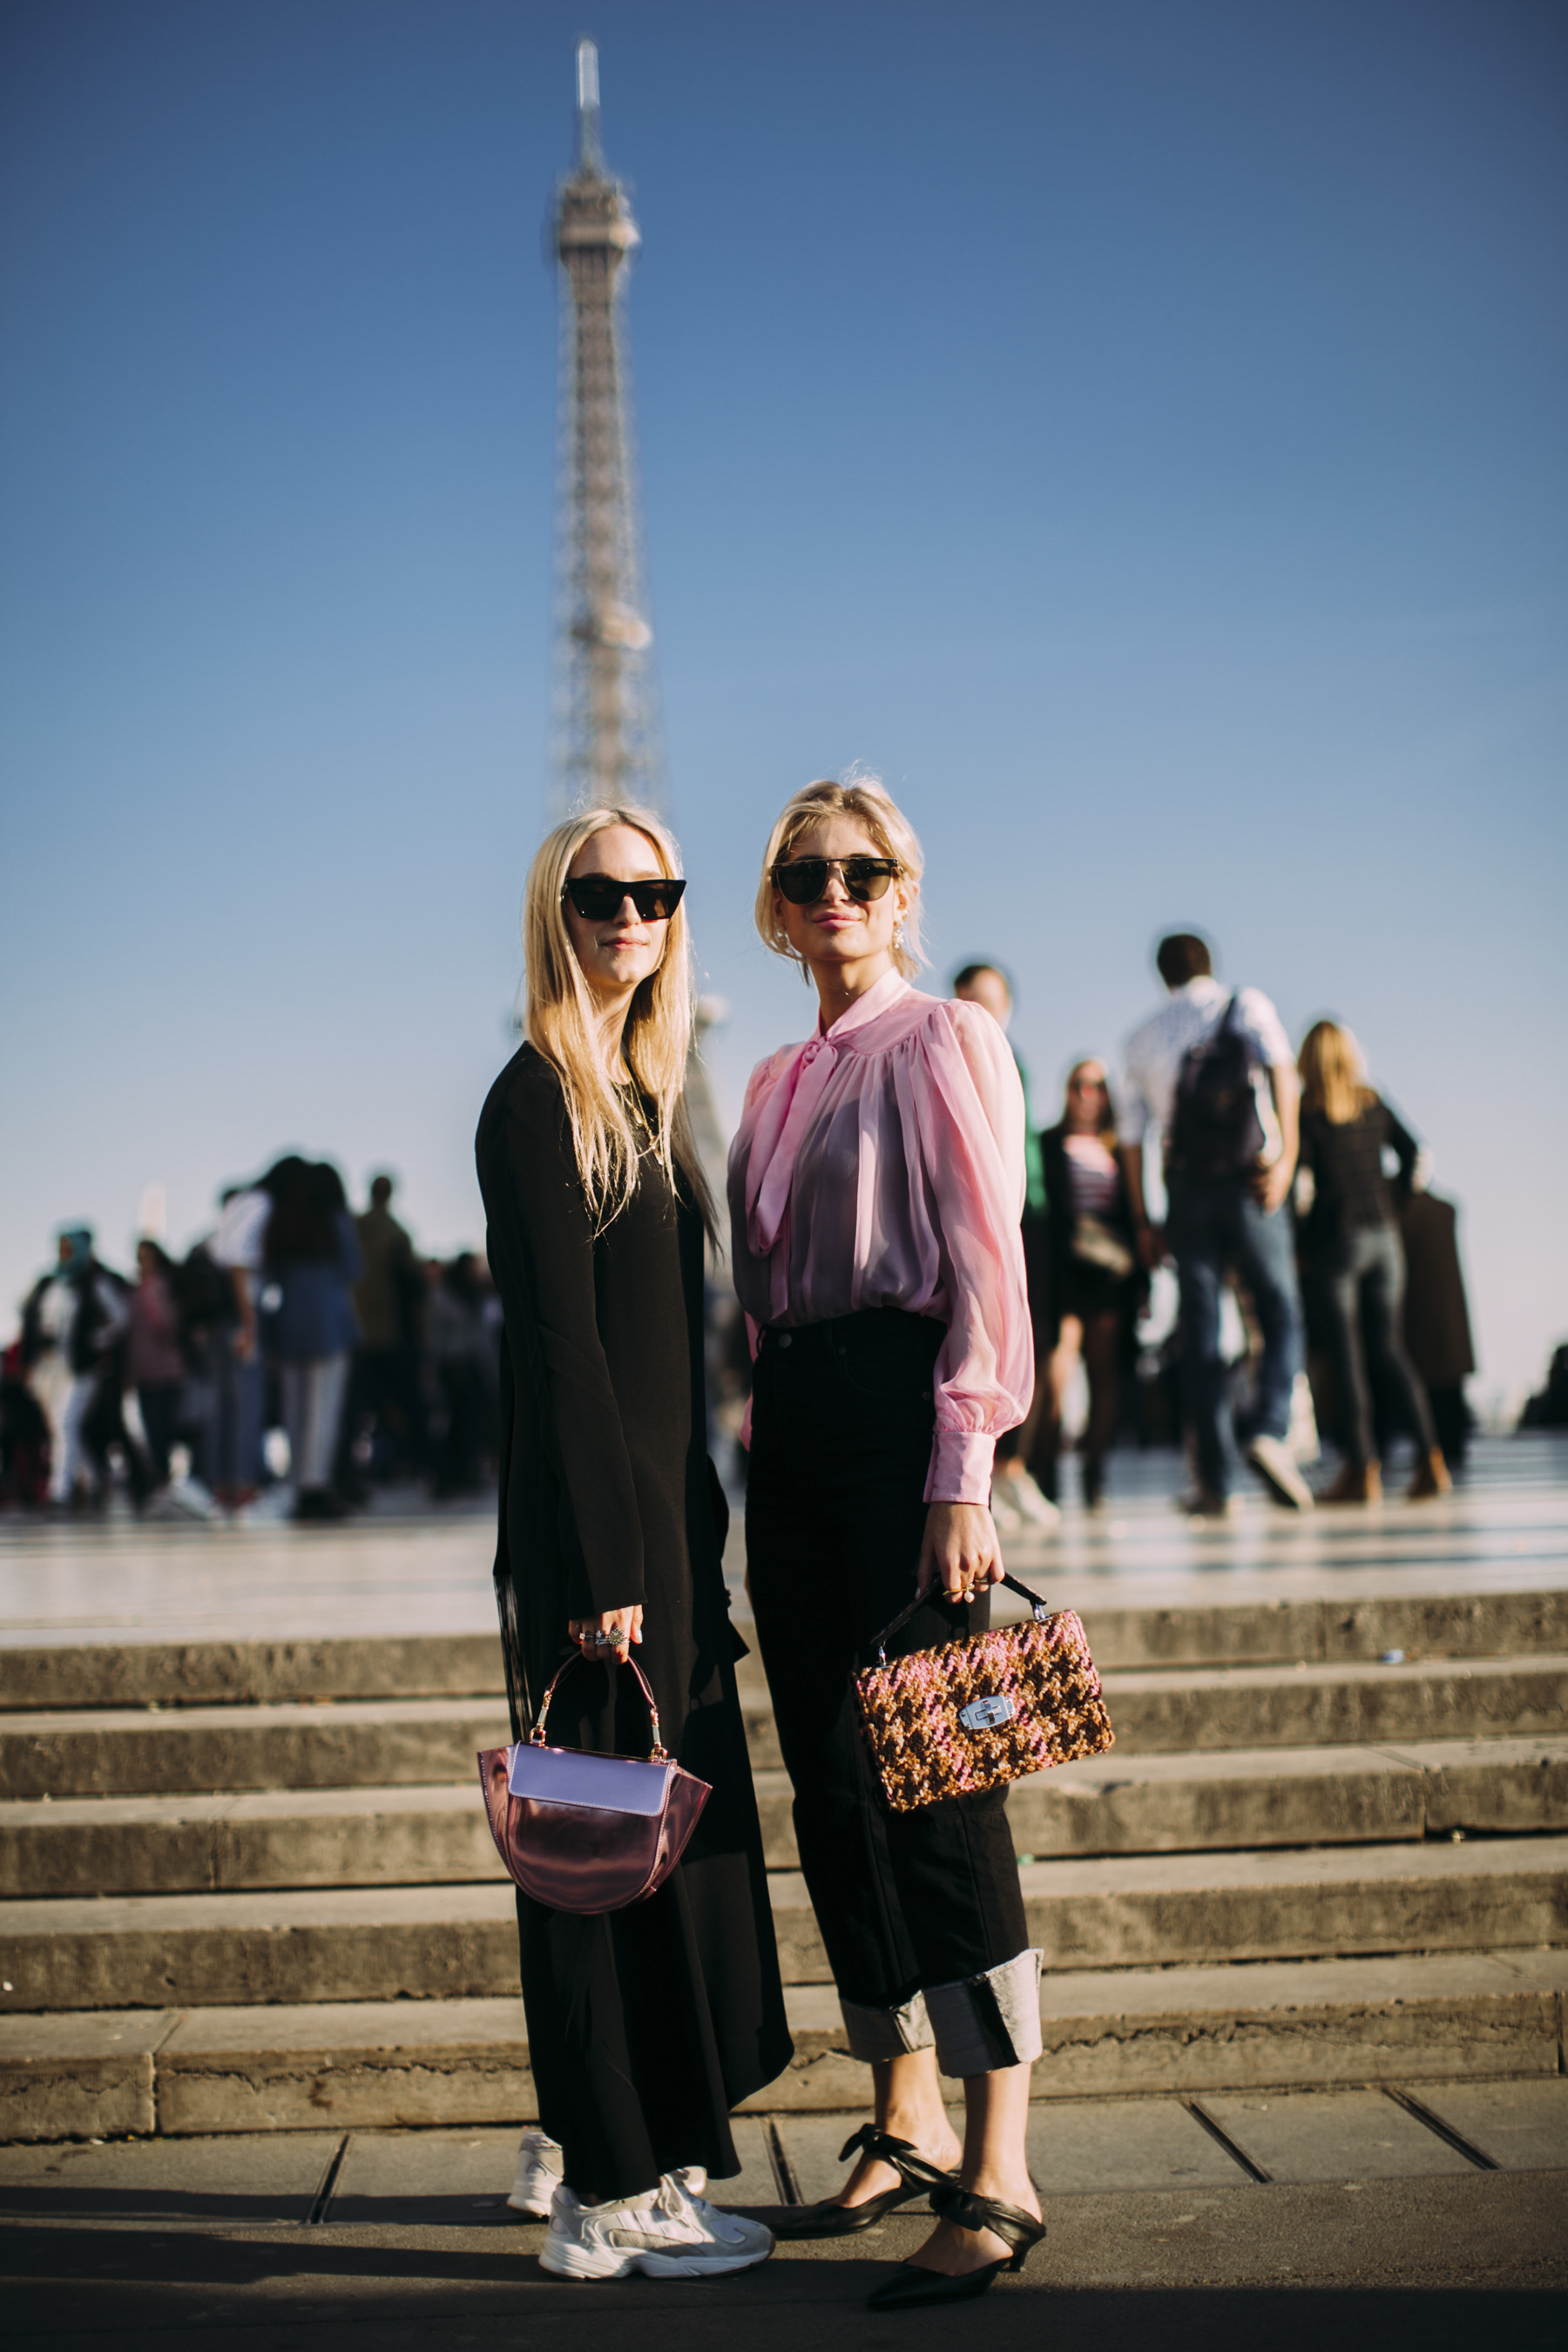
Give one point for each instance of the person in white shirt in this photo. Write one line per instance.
(1229, 1157)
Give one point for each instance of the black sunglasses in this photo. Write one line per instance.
(598, 897)
(803, 880)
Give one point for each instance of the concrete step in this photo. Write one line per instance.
(1129, 1911)
(59, 1675)
(62, 1675)
(351, 1743)
(365, 2065)
(448, 1942)
(1192, 1802)
(275, 1837)
(1166, 1710)
(424, 1835)
(1319, 1630)
(398, 1943)
(371, 1743)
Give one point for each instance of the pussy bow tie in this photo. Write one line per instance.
(786, 1116)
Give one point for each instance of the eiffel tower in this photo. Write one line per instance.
(607, 738)
(608, 745)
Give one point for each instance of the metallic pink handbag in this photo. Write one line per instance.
(583, 1831)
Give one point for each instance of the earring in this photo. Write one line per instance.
(897, 935)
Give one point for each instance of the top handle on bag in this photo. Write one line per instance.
(880, 1642)
(656, 1755)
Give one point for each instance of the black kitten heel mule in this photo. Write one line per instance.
(911, 2285)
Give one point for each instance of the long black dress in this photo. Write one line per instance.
(646, 2026)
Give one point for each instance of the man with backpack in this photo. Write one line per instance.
(1214, 1071)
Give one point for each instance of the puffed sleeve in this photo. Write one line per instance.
(540, 1241)
(970, 1116)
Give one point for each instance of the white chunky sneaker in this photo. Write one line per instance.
(539, 2174)
(540, 2168)
(668, 2233)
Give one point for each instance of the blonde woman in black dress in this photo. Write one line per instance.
(645, 2025)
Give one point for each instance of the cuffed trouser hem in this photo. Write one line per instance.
(982, 2023)
(879, 2034)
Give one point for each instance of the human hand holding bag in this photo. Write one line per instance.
(584, 1831)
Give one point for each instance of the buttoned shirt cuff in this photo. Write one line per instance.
(960, 1467)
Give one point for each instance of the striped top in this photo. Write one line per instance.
(1094, 1178)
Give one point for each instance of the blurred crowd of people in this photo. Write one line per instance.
(297, 1358)
(1302, 1284)
(1300, 1288)
(1318, 1292)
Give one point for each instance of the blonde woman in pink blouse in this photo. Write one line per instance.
(875, 1189)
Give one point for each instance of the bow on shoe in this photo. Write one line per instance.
(1017, 2230)
(904, 2158)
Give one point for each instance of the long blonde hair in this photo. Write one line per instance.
(867, 798)
(560, 1022)
(1333, 1076)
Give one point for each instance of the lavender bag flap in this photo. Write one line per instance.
(575, 1776)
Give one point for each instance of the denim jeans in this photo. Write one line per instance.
(1212, 1228)
(239, 1400)
(1364, 1290)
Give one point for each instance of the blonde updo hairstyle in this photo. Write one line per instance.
(560, 1022)
(868, 801)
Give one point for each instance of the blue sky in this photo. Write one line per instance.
(1136, 429)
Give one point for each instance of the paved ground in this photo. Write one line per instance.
(116, 1580)
(1381, 2218)
(1387, 2264)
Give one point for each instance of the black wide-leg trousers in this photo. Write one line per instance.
(842, 1421)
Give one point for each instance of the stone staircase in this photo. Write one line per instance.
(248, 1884)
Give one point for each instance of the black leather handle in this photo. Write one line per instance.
(880, 1640)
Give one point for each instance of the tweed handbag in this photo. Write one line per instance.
(968, 1715)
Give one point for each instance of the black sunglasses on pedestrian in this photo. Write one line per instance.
(598, 896)
(804, 880)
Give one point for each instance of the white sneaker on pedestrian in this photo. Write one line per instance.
(272, 1503)
(194, 1500)
(666, 2233)
(1276, 1465)
(540, 2168)
(1029, 1501)
(1005, 1518)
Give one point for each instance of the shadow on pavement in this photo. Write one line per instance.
(70, 2285)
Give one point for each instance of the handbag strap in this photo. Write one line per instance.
(880, 1640)
(657, 1754)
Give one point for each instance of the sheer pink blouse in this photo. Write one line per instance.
(881, 1164)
